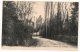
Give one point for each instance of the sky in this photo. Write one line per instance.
(38, 9)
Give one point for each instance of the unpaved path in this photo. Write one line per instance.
(43, 42)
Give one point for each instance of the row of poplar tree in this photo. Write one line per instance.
(59, 23)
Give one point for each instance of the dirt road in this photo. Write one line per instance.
(43, 42)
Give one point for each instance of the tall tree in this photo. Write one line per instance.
(75, 11)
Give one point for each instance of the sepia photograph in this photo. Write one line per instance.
(44, 25)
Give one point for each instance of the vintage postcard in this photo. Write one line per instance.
(40, 25)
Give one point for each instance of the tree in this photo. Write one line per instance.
(74, 27)
(15, 25)
(9, 11)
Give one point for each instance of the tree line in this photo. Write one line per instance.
(61, 21)
(17, 25)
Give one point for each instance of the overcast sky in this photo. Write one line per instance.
(38, 9)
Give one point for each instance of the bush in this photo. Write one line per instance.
(14, 32)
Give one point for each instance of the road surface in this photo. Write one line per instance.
(43, 42)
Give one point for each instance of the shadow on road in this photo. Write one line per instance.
(34, 43)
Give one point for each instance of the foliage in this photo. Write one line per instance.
(60, 26)
(14, 31)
